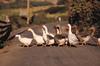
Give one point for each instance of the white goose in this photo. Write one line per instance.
(46, 30)
(72, 37)
(39, 39)
(49, 40)
(24, 40)
(98, 41)
(60, 39)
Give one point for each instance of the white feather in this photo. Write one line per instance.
(46, 37)
(46, 30)
(24, 40)
(72, 37)
(38, 38)
(51, 41)
(60, 38)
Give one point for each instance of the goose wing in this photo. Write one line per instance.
(26, 40)
(50, 37)
(72, 39)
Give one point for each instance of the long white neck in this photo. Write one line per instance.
(19, 37)
(58, 31)
(33, 33)
(46, 30)
(70, 32)
(44, 33)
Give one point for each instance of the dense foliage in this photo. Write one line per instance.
(85, 13)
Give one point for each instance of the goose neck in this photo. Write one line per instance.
(70, 30)
(46, 31)
(33, 33)
(57, 31)
(19, 37)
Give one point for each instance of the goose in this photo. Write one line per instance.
(39, 39)
(60, 38)
(92, 29)
(24, 40)
(46, 30)
(85, 39)
(98, 42)
(72, 38)
(49, 40)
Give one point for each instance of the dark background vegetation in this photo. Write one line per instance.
(89, 10)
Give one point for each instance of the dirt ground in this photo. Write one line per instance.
(13, 55)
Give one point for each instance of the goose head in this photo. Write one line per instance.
(17, 36)
(69, 29)
(57, 28)
(44, 27)
(29, 29)
(69, 25)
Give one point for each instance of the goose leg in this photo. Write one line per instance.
(82, 44)
(28, 46)
(50, 45)
(44, 44)
(98, 44)
(58, 45)
(69, 45)
(61, 45)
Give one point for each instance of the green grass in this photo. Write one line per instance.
(32, 10)
(57, 14)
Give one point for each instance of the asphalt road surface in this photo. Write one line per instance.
(14, 55)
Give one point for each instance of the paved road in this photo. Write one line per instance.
(49, 56)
